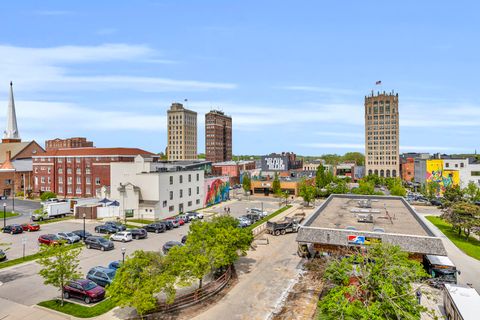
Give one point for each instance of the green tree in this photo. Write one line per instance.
(306, 191)
(398, 190)
(139, 279)
(332, 159)
(320, 177)
(59, 265)
(246, 183)
(464, 217)
(276, 189)
(376, 285)
(365, 187)
(433, 189)
(357, 157)
(472, 192)
(47, 195)
(453, 194)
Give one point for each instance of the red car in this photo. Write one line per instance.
(30, 227)
(49, 239)
(85, 290)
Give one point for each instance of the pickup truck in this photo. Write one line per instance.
(282, 227)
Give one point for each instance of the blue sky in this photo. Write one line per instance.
(293, 74)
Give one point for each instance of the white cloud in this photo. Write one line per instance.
(52, 69)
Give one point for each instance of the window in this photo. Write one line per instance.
(36, 169)
(475, 173)
(79, 171)
(79, 180)
(69, 180)
(198, 177)
(181, 193)
(180, 177)
(69, 170)
(43, 180)
(49, 170)
(447, 164)
(198, 190)
(189, 178)
(197, 201)
(87, 190)
(171, 195)
(461, 165)
(60, 179)
(49, 180)
(78, 190)
(77, 159)
(189, 203)
(189, 192)
(69, 160)
(87, 170)
(59, 160)
(69, 190)
(171, 179)
(97, 181)
(164, 203)
(60, 189)
(88, 180)
(36, 180)
(60, 170)
(171, 208)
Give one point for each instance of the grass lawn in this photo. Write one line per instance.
(35, 256)
(470, 247)
(270, 216)
(77, 310)
(144, 221)
(7, 214)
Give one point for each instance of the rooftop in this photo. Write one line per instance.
(92, 151)
(466, 299)
(233, 163)
(389, 213)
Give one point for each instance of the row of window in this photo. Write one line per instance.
(70, 159)
(69, 180)
(180, 193)
(180, 206)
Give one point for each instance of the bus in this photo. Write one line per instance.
(441, 269)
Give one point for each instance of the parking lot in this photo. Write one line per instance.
(22, 283)
(239, 207)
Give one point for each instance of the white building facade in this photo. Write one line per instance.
(468, 169)
(147, 190)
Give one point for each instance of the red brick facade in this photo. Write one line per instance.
(218, 137)
(407, 169)
(232, 169)
(78, 172)
(77, 142)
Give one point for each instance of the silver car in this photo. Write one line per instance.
(70, 237)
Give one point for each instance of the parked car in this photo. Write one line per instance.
(3, 255)
(192, 215)
(261, 213)
(254, 217)
(246, 219)
(180, 221)
(30, 227)
(85, 290)
(115, 264)
(185, 218)
(70, 237)
(49, 239)
(138, 233)
(123, 236)
(117, 225)
(169, 245)
(436, 202)
(156, 227)
(105, 228)
(94, 242)
(168, 224)
(13, 229)
(101, 276)
(174, 222)
(81, 234)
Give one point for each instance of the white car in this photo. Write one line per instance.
(123, 236)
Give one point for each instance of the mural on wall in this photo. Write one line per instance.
(216, 190)
(444, 178)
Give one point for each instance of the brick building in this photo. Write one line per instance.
(16, 156)
(78, 172)
(75, 142)
(218, 136)
(232, 169)
(182, 133)
(407, 169)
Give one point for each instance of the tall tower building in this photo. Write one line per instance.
(11, 132)
(382, 135)
(218, 136)
(182, 133)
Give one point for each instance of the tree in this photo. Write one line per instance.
(398, 190)
(433, 189)
(306, 191)
(464, 217)
(246, 183)
(376, 285)
(139, 279)
(47, 195)
(472, 192)
(356, 157)
(453, 193)
(364, 187)
(320, 177)
(276, 189)
(60, 264)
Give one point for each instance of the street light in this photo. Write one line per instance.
(4, 214)
(84, 216)
(123, 254)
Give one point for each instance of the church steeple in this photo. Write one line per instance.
(11, 132)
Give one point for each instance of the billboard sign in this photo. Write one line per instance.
(370, 240)
(352, 239)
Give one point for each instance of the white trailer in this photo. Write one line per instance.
(52, 210)
(460, 303)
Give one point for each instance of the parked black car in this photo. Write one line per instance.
(116, 225)
(138, 233)
(168, 224)
(436, 202)
(169, 245)
(156, 227)
(254, 217)
(81, 235)
(13, 229)
(100, 243)
(105, 228)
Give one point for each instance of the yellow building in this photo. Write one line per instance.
(445, 178)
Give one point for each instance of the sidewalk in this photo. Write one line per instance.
(10, 310)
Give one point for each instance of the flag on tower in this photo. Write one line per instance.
(378, 83)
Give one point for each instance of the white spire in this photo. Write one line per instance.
(11, 132)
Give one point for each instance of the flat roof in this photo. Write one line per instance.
(466, 300)
(440, 260)
(388, 213)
